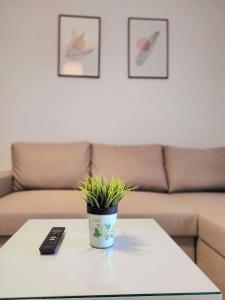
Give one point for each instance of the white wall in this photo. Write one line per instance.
(188, 109)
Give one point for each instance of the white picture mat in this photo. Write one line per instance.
(87, 65)
(156, 64)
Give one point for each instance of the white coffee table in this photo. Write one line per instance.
(144, 263)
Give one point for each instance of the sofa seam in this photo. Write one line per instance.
(207, 244)
(165, 168)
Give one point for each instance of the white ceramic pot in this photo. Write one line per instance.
(102, 223)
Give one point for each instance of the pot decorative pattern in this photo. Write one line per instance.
(102, 230)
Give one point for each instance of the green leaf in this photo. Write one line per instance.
(107, 226)
(97, 233)
(101, 193)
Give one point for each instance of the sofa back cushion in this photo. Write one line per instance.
(49, 166)
(195, 169)
(140, 165)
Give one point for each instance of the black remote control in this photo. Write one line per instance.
(52, 240)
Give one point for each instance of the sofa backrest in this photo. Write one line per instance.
(137, 165)
(50, 166)
(195, 169)
(147, 167)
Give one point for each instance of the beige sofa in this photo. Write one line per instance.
(183, 189)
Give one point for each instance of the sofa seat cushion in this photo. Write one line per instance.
(212, 264)
(211, 217)
(50, 166)
(17, 208)
(175, 216)
(139, 165)
(212, 231)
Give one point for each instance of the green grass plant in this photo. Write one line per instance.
(101, 193)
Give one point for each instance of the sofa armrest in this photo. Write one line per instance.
(6, 183)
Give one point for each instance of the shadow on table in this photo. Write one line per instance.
(126, 243)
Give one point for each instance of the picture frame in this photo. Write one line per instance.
(79, 43)
(148, 48)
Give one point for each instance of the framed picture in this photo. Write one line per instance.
(148, 52)
(79, 46)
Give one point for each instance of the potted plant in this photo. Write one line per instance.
(102, 197)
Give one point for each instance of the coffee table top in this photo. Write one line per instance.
(144, 261)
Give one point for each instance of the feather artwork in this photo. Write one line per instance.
(145, 47)
(78, 47)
